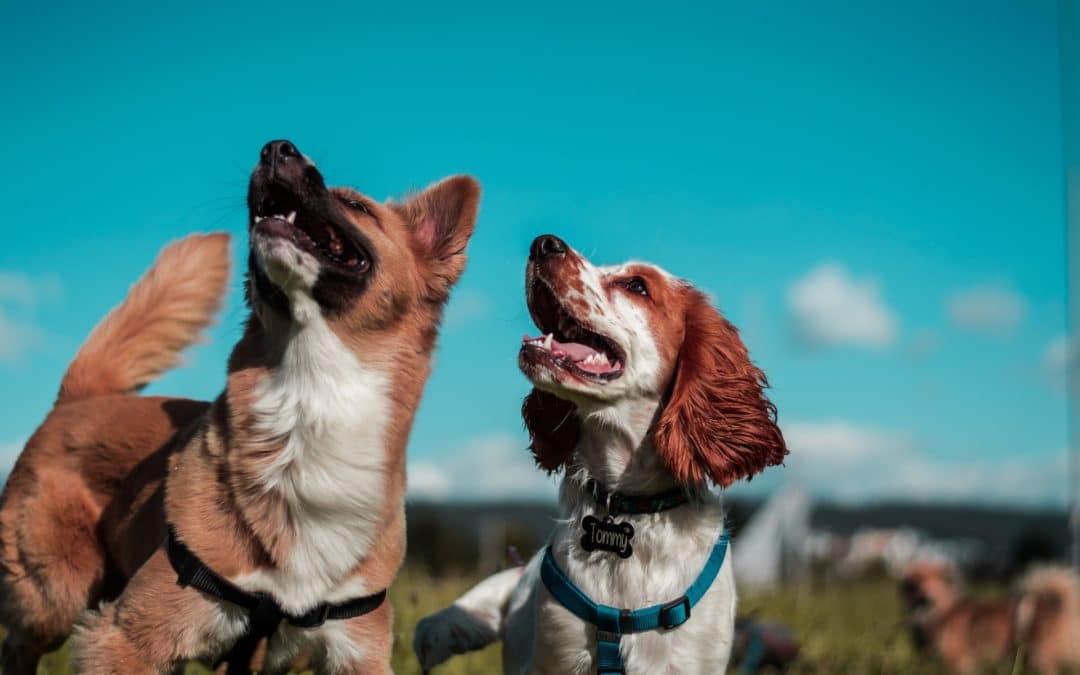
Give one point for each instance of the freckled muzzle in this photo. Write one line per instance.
(567, 343)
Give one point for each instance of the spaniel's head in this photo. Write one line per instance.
(633, 331)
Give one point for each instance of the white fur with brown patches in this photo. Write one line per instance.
(670, 548)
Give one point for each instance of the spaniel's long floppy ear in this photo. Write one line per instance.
(442, 218)
(718, 424)
(553, 429)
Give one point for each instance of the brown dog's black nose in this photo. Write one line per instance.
(280, 162)
(278, 151)
(546, 246)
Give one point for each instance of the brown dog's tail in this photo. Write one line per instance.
(162, 314)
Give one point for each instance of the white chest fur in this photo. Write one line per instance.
(329, 410)
(670, 549)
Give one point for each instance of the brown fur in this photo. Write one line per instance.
(1042, 624)
(553, 428)
(1048, 618)
(143, 337)
(84, 512)
(718, 424)
(55, 558)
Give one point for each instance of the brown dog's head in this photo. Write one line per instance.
(361, 264)
(929, 586)
(633, 332)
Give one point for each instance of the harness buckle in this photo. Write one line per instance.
(607, 636)
(668, 618)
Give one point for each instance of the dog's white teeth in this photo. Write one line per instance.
(601, 359)
(547, 340)
(291, 217)
(259, 218)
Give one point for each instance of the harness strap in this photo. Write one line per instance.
(263, 610)
(612, 623)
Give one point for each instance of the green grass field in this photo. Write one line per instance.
(851, 629)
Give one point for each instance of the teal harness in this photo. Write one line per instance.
(612, 623)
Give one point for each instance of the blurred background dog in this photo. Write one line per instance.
(1039, 624)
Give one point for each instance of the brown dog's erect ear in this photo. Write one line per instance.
(443, 217)
(718, 424)
(553, 429)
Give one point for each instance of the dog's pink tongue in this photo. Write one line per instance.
(576, 352)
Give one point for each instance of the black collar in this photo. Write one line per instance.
(264, 611)
(618, 503)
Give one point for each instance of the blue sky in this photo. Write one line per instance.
(874, 194)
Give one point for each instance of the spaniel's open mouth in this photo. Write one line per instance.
(566, 343)
(282, 214)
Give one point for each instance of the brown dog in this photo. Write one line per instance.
(1041, 623)
(289, 485)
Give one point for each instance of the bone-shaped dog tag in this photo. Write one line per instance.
(607, 535)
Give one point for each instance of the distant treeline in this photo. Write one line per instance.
(474, 537)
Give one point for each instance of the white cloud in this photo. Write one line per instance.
(856, 463)
(466, 306)
(989, 309)
(429, 481)
(488, 467)
(924, 343)
(841, 441)
(830, 307)
(17, 336)
(835, 459)
(26, 290)
(1059, 356)
(9, 452)
(1021, 480)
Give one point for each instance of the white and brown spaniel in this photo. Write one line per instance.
(645, 395)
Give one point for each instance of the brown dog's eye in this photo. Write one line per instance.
(637, 286)
(357, 205)
(360, 263)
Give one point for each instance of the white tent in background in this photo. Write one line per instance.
(770, 549)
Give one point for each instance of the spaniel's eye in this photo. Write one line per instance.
(637, 285)
(357, 205)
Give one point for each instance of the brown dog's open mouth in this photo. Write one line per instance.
(913, 597)
(566, 343)
(281, 214)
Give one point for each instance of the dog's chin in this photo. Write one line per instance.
(285, 265)
(282, 280)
